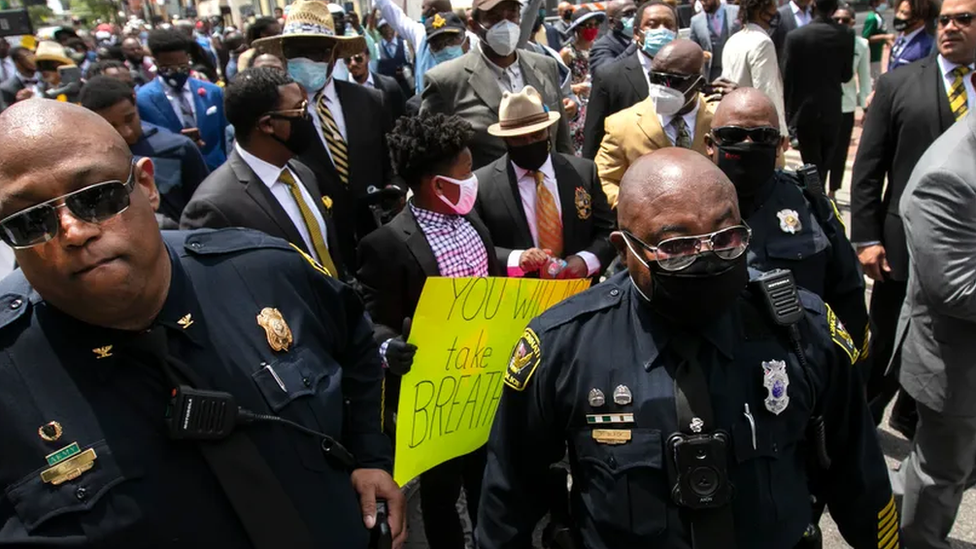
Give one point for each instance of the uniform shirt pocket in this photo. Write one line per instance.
(772, 473)
(622, 486)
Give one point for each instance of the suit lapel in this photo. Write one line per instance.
(504, 173)
(648, 122)
(635, 74)
(165, 107)
(531, 76)
(703, 124)
(261, 195)
(418, 245)
(943, 110)
(567, 180)
(482, 81)
(199, 104)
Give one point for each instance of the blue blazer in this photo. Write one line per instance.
(209, 105)
(920, 46)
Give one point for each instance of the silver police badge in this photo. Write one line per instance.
(776, 382)
(789, 221)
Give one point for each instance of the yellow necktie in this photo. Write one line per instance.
(547, 221)
(314, 231)
(337, 145)
(957, 95)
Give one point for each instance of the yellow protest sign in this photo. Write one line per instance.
(464, 330)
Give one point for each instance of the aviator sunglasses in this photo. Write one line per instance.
(732, 135)
(675, 254)
(94, 204)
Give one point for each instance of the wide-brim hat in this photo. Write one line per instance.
(522, 113)
(582, 15)
(311, 19)
(48, 50)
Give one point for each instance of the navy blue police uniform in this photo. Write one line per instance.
(606, 339)
(801, 230)
(67, 387)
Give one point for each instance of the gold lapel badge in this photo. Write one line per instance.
(327, 202)
(102, 352)
(584, 204)
(68, 463)
(186, 321)
(50, 431)
(275, 327)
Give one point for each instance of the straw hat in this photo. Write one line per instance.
(311, 19)
(522, 113)
(48, 50)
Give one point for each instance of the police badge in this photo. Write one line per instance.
(584, 206)
(275, 328)
(789, 221)
(776, 382)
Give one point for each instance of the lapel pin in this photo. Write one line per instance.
(596, 398)
(622, 396)
(186, 321)
(50, 431)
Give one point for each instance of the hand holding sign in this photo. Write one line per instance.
(399, 353)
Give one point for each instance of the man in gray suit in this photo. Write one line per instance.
(937, 329)
(711, 28)
(471, 86)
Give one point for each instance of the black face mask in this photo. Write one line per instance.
(567, 16)
(530, 157)
(175, 78)
(301, 136)
(748, 165)
(900, 24)
(694, 297)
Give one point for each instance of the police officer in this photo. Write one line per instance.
(683, 402)
(794, 227)
(126, 355)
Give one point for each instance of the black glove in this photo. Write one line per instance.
(399, 353)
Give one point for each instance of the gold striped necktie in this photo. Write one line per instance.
(337, 145)
(548, 224)
(957, 94)
(314, 231)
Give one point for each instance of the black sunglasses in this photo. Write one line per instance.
(730, 135)
(94, 204)
(358, 58)
(961, 19)
(672, 80)
(675, 254)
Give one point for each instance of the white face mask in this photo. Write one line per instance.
(667, 101)
(503, 37)
(469, 193)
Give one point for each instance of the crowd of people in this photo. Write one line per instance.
(719, 385)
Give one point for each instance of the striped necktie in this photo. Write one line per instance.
(312, 224)
(681, 136)
(548, 224)
(337, 145)
(957, 94)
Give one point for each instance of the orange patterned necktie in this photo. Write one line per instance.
(548, 223)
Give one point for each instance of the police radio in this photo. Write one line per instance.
(700, 462)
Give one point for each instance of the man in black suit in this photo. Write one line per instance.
(910, 110)
(349, 156)
(261, 186)
(818, 59)
(25, 82)
(358, 65)
(621, 15)
(792, 15)
(624, 82)
(547, 213)
(436, 235)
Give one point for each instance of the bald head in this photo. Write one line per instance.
(618, 6)
(747, 108)
(680, 56)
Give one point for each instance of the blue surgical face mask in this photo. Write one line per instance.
(882, 6)
(423, 19)
(655, 39)
(448, 53)
(627, 28)
(311, 75)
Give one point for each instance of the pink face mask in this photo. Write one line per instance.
(469, 193)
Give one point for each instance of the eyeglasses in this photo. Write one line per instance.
(730, 135)
(961, 19)
(675, 254)
(94, 204)
(300, 112)
(672, 80)
(358, 59)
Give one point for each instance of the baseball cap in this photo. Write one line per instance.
(443, 23)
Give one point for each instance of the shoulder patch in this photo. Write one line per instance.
(311, 261)
(839, 335)
(525, 359)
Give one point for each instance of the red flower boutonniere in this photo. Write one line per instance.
(201, 92)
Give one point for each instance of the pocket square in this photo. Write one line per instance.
(212, 110)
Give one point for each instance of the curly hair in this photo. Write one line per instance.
(749, 10)
(426, 144)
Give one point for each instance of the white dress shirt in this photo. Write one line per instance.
(690, 118)
(174, 100)
(526, 185)
(268, 174)
(801, 17)
(332, 100)
(645, 63)
(948, 78)
(749, 60)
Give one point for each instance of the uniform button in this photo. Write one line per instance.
(307, 382)
(614, 292)
(15, 304)
(612, 462)
(81, 493)
(195, 245)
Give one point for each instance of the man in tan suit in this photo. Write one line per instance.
(674, 114)
(471, 86)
